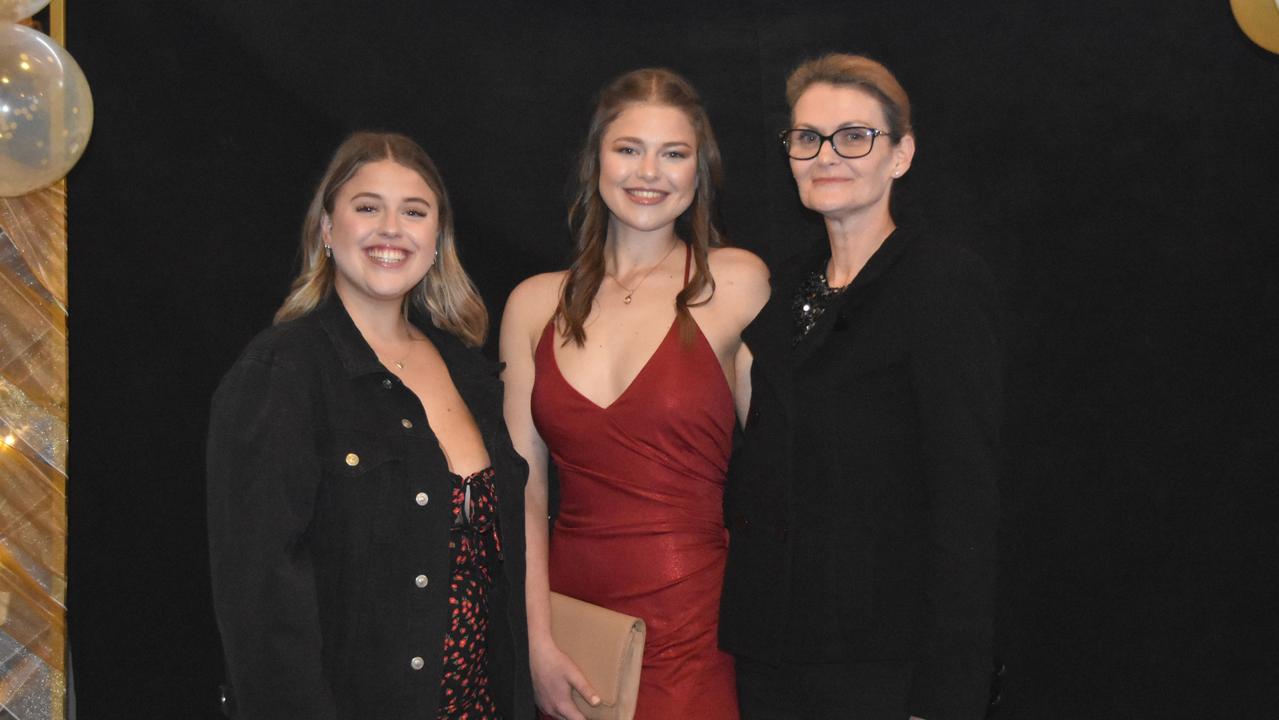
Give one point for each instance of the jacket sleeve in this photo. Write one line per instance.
(263, 474)
(956, 373)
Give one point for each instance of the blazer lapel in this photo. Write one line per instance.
(862, 288)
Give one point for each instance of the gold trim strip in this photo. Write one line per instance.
(58, 21)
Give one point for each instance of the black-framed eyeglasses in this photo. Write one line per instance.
(850, 142)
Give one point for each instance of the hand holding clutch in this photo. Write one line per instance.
(608, 647)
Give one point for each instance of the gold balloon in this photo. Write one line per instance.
(46, 111)
(1259, 20)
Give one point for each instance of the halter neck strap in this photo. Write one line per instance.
(688, 258)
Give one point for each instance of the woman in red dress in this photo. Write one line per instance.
(623, 370)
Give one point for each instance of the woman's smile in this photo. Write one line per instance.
(387, 256)
(646, 196)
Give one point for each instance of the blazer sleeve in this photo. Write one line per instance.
(263, 474)
(956, 374)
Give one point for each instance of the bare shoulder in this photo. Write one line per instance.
(736, 264)
(739, 273)
(741, 286)
(535, 297)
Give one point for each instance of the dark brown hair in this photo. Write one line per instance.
(588, 215)
(445, 292)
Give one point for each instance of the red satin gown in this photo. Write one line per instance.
(640, 527)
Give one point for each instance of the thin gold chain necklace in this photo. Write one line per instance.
(631, 291)
(399, 364)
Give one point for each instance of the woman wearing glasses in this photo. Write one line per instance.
(623, 370)
(862, 505)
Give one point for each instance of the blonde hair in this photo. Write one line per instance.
(446, 292)
(841, 69)
(588, 215)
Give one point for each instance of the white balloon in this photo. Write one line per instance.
(46, 111)
(15, 10)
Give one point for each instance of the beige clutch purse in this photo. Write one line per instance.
(608, 647)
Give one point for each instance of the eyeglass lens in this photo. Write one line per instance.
(849, 142)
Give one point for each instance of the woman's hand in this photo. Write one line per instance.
(554, 676)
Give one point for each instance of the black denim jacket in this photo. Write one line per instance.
(329, 516)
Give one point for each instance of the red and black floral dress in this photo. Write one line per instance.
(476, 547)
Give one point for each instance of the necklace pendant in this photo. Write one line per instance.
(399, 365)
(627, 299)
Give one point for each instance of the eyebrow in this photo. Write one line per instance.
(841, 126)
(375, 196)
(641, 141)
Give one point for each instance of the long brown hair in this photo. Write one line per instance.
(445, 292)
(588, 215)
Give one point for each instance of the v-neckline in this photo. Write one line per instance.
(550, 329)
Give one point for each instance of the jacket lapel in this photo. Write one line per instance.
(474, 375)
(863, 287)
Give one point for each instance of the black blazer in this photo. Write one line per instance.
(329, 498)
(862, 502)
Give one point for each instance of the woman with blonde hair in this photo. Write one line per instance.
(366, 520)
(623, 370)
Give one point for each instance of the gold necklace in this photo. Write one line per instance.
(631, 291)
(399, 364)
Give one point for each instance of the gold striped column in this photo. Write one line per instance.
(33, 445)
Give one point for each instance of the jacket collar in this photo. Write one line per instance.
(882, 259)
(359, 359)
(864, 286)
(769, 335)
(355, 354)
(772, 328)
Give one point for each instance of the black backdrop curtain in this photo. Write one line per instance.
(1116, 163)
